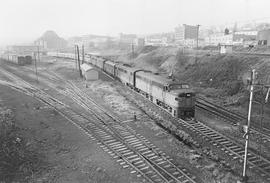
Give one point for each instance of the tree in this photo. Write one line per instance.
(227, 31)
(235, 27)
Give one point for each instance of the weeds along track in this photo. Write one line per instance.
(199, 130)
(129, 149)
(231, 117)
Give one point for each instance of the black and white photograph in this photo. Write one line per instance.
(134, 91)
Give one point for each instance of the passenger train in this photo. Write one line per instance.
(176, 98)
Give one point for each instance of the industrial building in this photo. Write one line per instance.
(22, 49)
(186, 33)
(140, 42)
(235, 38)
(127, 38)
(219, 38)
(88, 40)
(156, 41)
(263, 37)
(50, 40)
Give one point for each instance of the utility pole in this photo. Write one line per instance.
(246, 128)
(8, 52)
(197, 43)
(132, 49)
(197, 40)
(267, 94)
(38, 53)
(78, 54)
(75, 57)
(36, 66)
(82, 54)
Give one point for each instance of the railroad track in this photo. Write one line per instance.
(258, 164)
(253, 53)
(218, 110)
(234, 150)
(131, 150)
(156, 157)
(231, 117)
(228, 146)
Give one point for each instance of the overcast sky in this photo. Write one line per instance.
(25, 20)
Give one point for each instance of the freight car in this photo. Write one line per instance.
(178, 99)
(17, 59)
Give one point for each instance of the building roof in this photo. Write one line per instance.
(86, 67)
(224, 44)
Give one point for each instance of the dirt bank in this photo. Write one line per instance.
(217, 77)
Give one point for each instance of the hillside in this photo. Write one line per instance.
(52, 40)
(218, 77)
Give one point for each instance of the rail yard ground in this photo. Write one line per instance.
(77, 158)
(44, 147)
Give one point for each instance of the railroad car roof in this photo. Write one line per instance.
(161, 79)
(129, 69)
(110, 62)
(157, 78)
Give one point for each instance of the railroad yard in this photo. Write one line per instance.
(116, 91)
(103, 131)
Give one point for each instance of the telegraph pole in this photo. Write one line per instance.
(78, 54)
(197, 44)
(246, 127)
(197, 40)
(38, 53)
(132, 49)
(8, 52)
(36, 66)
(82, 54)
(75, 57)
(267, 94)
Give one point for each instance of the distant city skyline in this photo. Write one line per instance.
(23, 21)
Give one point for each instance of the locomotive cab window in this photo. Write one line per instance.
(166, 88)
(178, 86)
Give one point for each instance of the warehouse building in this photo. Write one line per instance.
(186, 34)
(263, 37)
(219, 38)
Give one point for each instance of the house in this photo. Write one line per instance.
(225, 48)
(187, 35)
(88, 72)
